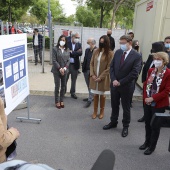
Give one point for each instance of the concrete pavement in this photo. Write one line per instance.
(69, 139)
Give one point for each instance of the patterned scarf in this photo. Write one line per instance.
(158, 81)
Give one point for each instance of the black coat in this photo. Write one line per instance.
(87, 59)
(40, 41)
(75, 54)
(128, 72)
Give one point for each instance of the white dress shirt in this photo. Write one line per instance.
(127, 53)
(36, 40)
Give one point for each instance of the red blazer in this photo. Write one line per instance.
(162, 97)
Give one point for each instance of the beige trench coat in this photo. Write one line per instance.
(6, 136)
(104, 71)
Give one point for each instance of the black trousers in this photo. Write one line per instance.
(37, 51)
(124, 93)
(152, 132)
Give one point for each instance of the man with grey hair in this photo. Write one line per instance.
(86, 67)
(75, 53)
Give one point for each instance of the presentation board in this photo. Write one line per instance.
(14, 85)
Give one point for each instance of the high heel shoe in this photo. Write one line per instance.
(62, 104)
(58, 106)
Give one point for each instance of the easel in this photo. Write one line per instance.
(28, 111)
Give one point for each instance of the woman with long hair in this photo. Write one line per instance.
(61, 61)
(99, 74)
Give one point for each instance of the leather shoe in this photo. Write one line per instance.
(148, 151)
(74, 96)
(85, 100)
(87, 104)
(109, 126)
(144, 146)
(124, 132)
(141, 119)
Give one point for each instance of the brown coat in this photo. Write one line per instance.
(6, 136)
(104, 84)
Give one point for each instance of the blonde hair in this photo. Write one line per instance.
(164, 56)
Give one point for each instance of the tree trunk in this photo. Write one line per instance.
(101, 16)
(113, 19)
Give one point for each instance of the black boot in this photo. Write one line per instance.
(144, 146)
(149, 151)
(141, 119)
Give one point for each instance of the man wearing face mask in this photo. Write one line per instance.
(167, 47)
(124, 70)
(112, 40)
(75, 53)
(86, 68)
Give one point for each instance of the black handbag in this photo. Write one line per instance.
(11, 148)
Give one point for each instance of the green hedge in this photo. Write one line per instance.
(47, 41)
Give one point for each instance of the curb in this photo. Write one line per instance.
(79, 95)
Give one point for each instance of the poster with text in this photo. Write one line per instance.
(14, 85)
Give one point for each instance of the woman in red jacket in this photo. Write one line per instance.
(156, 99)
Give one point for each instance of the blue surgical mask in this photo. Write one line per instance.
(167, 45)
(123, 47)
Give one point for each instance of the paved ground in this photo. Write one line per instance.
(69, 139)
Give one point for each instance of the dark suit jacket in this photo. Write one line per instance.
(146, 68)
(75, 54)
(40, 41)
(128, 72)
(112, 43)
(87, 59)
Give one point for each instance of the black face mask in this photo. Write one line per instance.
(137, 47)
(109, 35)
(101, 45)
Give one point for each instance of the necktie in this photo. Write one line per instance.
(122, 58)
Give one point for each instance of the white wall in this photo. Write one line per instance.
(87, 32)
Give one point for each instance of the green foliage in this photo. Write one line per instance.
(12, 10)
(40, 10)
(125, 14)
(47, 41)
(103, 8)
(87, 17)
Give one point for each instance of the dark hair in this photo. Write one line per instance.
(158, 47)
(131, 33)
(58, 44)
(128, 38)
(106, 45)
(168, 37)
(36, 29)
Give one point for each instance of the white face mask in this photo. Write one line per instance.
(62, 43)
(158, 63)
(76, 40)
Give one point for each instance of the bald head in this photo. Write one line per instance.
(109, 32)
(91, 42)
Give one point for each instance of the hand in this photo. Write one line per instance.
(80, 50)
(62, 71)
(71, 51)
(98, 80)
(115, 83)
(94, 77)
(16, 131)
(149, 100)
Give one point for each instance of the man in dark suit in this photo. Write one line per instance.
(37, 45)
(75, 53)
(112, 40)
(124, 70)
(86, 68)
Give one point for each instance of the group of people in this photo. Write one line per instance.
(106, 72)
